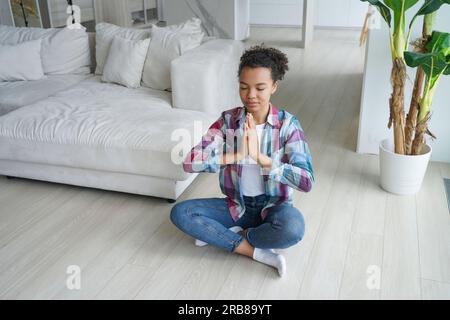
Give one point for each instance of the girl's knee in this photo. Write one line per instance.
(292, 225)
(179, 213)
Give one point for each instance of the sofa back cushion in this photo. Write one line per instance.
(125, 62)
(105, 33)
(167, 44)
(64, 51)
(21, 61)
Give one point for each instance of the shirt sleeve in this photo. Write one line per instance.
(205, 156)
(297, 171)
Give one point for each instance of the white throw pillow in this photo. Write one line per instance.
(125, 62)
(104, 35)
(67, 52)
(167, 44)
(64, 51)
(21, 61)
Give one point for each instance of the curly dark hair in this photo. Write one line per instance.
(266, 57)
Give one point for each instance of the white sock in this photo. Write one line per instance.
(269, 257)
(200, 243)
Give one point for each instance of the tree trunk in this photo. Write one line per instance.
(411, 119)
(422, 126)
(396, 104)
(418, 142)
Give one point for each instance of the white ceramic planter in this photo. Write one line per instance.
(402, 174)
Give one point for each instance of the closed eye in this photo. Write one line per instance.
(256, 89)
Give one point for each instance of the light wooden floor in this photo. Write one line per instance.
(356, 234)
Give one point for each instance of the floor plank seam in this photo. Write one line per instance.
(351, 228)
(418, 246)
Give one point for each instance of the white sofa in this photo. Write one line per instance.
(76, 129)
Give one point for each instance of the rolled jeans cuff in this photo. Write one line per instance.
(236, 243)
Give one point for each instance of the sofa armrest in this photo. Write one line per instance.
(206, 78)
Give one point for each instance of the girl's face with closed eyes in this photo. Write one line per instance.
(256, 88)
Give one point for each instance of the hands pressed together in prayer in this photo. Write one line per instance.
(250, 144)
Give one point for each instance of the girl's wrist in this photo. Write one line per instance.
(264, 161)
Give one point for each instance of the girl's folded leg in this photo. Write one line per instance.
(283, 227)
(207, 220)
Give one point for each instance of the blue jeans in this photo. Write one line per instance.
(209, 219)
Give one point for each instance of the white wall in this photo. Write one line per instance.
(5, 13)
(376, 91)
(327, 13)
(58, 12)
(225, 19)
(221, 14)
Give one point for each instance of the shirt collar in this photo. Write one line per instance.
(272, 117)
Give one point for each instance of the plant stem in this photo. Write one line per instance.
(411, 119)
(399, 44)
(428, 22)
(427, 99)
(409, 33)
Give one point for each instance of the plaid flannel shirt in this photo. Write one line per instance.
(283, 141)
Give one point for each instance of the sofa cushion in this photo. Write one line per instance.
(104, 36)
(215, 65)
(125, 62)
(21, 61)
(101, 126)
(16, 94)
(64, 51)
(168, 43)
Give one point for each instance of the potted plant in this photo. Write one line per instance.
(403, 163)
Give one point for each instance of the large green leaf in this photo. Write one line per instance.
(398, 5)
(440, 42)
(447, 70)
(426, 61)
(428, 7)
(384, 11)
(434, 62)
(399, 8)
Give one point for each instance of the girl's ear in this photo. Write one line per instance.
(275, 87)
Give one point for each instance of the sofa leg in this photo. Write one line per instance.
(171, 200)
(9, 177)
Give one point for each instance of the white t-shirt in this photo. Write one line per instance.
(252, 182)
